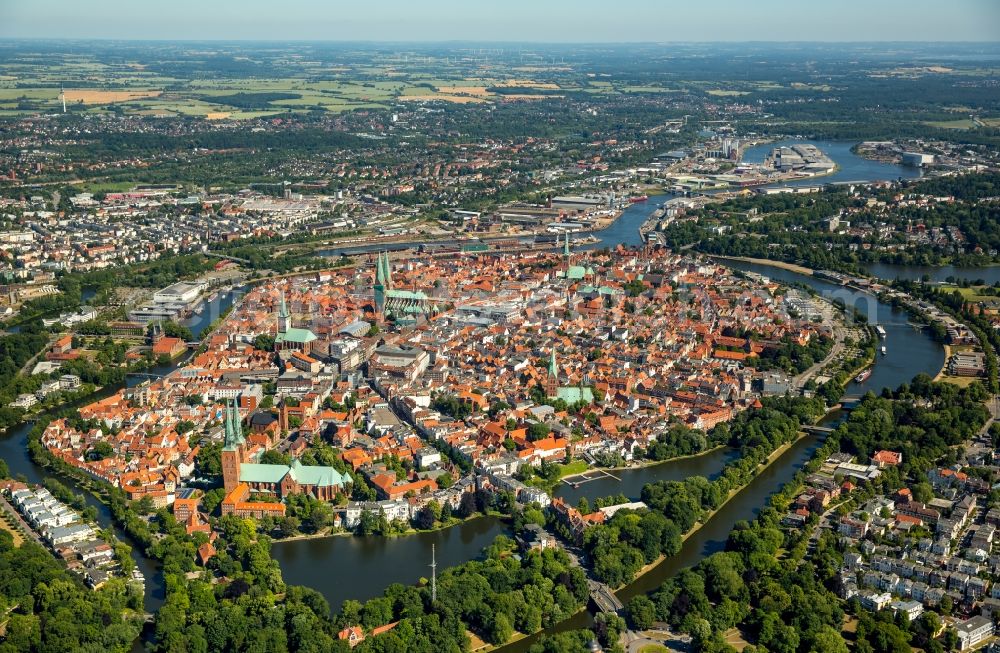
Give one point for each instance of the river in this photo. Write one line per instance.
(361, 568)
(909, 350)
(990, 274)
(331, 564)
(850, 166)
(344, 567)
(630, 481)
(14, 451)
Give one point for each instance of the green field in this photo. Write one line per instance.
(726, 93)
(972, 294)
(197, 97)
(27, 86)
(953, 124)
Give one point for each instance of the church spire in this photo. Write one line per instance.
(552, 382)
(566, 252)
(234, 432)
(386, 271)
(381, 282)
(379, 271)
(284, 318)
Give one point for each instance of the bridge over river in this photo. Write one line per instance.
(603, 598)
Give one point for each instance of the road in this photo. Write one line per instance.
(824, 523)
(992, 405)
(27, 367)
(635, 642)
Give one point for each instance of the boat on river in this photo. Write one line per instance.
(880, 330)
(861, 378)
(883, 350)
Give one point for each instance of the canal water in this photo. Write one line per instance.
(345, 567)
(375, 563)
(709, 539)
(909, 348)
(910, 351)
(360, 568)
(630, 481)
(14, 451)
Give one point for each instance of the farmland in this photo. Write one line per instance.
(188, 84)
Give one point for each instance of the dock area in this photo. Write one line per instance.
(590, 475)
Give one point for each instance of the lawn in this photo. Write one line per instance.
(107, 186)
(14, 532)
(654, 648)
(973, 294)
(960, 381)
(735, 638)
(573, 467)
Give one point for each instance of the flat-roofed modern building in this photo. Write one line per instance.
(180, 292)
(973, 631)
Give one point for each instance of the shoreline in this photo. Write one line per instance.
(707, 517)
(409, 533)
(646, 463)
(809, 272)
(791, 267)
(944, 365)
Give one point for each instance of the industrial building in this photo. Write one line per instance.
(801, 158)
(170, 303)
(917, 159)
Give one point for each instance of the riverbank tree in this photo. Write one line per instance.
(621, 546)
(770, 586)
(793, 227)
(46, 608)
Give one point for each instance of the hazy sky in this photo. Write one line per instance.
(506, 20)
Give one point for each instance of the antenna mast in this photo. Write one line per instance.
(434, 589)
(62, 97)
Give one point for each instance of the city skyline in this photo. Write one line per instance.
(543, 327)
(517, 21)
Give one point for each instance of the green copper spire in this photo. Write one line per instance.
(553, 368)
(381, 282)
(283, 308)
(284, 317)
(234, 432)
(566, 245)
(386, 272)
(379, 272)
